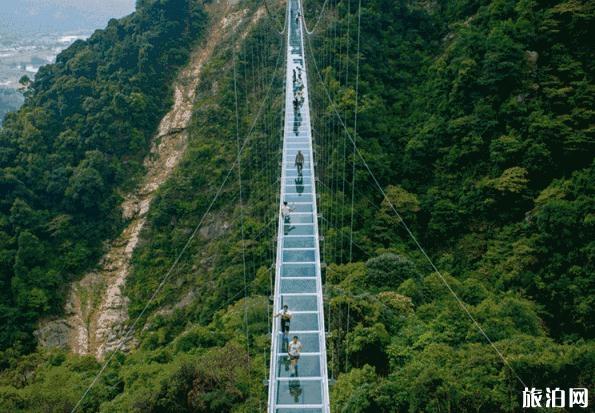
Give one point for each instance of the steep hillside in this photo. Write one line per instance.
(187, 318)
(76, 144)
(475, 117)
(479, 127)
(97, 307)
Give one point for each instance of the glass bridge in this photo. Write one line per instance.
(303, 388)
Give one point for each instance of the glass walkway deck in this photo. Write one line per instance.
(303, 389)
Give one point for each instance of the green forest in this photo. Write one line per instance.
(475, 116)
(78, 140)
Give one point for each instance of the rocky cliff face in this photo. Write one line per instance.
(96, 313)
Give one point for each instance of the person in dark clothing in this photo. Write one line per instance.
(285, 316)
(299, 162)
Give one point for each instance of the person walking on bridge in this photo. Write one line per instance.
(286, 211)
(285, 316)
(294, 349)
(299, 162)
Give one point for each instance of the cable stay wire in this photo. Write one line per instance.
(310, 32)
(167, 275)
(347, 50)
(357, 58)
(241, 203)
(333, 105)
(275, 20)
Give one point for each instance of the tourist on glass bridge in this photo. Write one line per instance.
(299, 162)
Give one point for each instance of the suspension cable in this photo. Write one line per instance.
(309, 32)
(274, 19)
(357, 59)
(239, 165)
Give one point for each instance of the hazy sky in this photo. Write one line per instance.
(29, 16)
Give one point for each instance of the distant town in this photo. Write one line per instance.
(23, 56)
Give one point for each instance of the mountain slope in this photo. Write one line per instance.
(97, 304)
(479, 127)
(78, 140)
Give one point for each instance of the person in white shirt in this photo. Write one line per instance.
(294, 348)
(286, 211)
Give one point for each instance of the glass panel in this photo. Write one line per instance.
(299, 242)
(309, 340)
(290, 166)
(292, 152)
(293, 173)
(298, 270)
(299, 410)
(303, 207)
(300, 133)
(303, 322)
(307, 366)
(297, 181)
(300, 302)
(289, 285)
(297, 184)
(298, 256)
(302, 219)
(299, 392)
(298, 229)
(299, 190)
(299, 198)
(299, 322)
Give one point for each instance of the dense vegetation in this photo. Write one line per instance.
(194, 339)
(476, 117)
(80, 137)
(480, 128)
